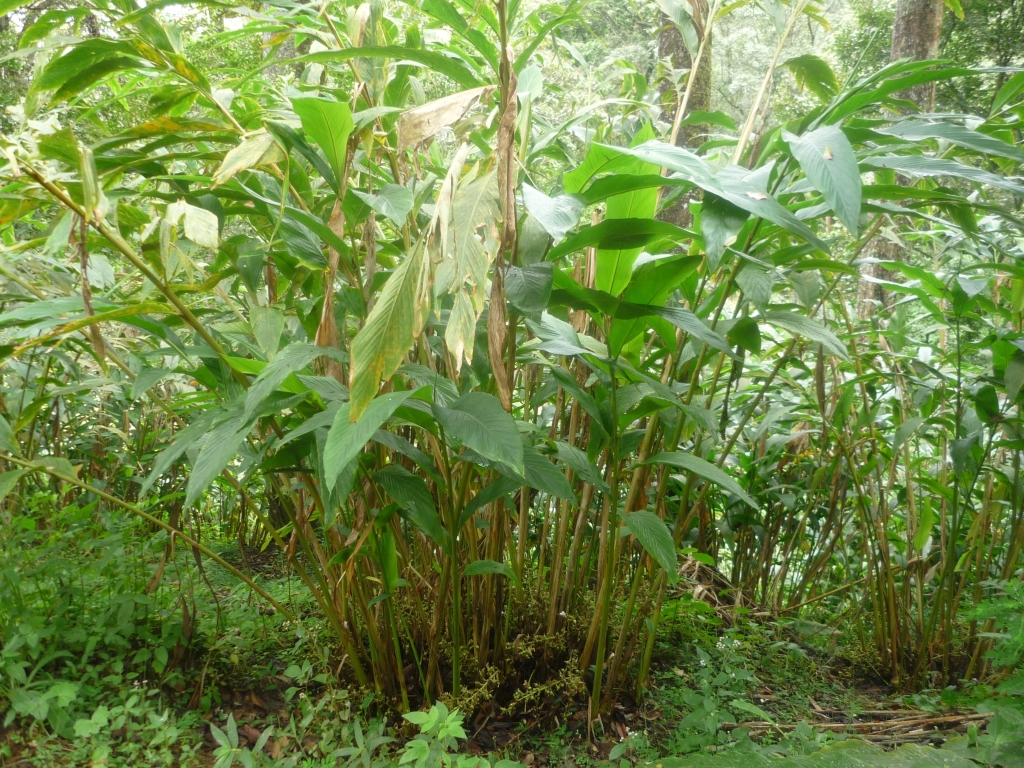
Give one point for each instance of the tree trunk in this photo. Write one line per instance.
(915, 34)
(672, 49)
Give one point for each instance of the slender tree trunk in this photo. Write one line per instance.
(916, 30)
(672, 50)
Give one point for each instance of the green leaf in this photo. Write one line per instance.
(267, 326)
(545, 476)
(9, 481)
(392, 201)
(258, 149)
(599, 159)
(651, 531)
(6, 6)
(757, 283)
(905, 430)
(529, 288)
(651, 284)
(478, 421)
(580, 463)
(800, 325)
(753, 709)
(813, 73)
(830, 164)
(410, 491)
(916, 165)
(924, 525)
(746, 334)
(703, 469)
(8, 441)
(146, 379)
(439, 62)
(919, 130)
(487, 567)
(329, 124)
(1010, 89)
(220, 447)
(556, 214)
(395, 321)
(743, 188)
(716, 118)
(1013, 377)
(615, 265)
(720, 222)
(292, 358)
(619, 234)
(347, 438)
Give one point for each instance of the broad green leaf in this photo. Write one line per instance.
(830, 165)
(720, 223)
(703, 469)
(746, 334)
(529, 288)
(743, 188)
(580, 463)
(392, 201)
(545, 476)
(757, 284)
(6, 6)
(651, 284)
(615, 265)
(556, 214)
(292, 358)
(1013, 377)
(388, 559)
(394, 323)
(716, 118)
(9, 481)
(651, 531)
(435, 60)
(478, 421)
(1013, 86)
(489, 567)
(329, 124)
(686, 321)
(924, 525)
(8, 441)
(347, 438)
(410, 491)
(905, 430)
(620, 234)
(267, 326)
(501, 486)
(599, 159)
(183, 440)
(220, 447)
(146, 379)
(919, 130)
(800, 325)
(813, 73)
(917, 165)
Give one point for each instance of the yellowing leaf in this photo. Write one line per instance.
(394, 323)
(258, 149)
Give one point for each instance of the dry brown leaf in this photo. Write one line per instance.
(422, 123)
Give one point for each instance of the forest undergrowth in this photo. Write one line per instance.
(133, 674)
